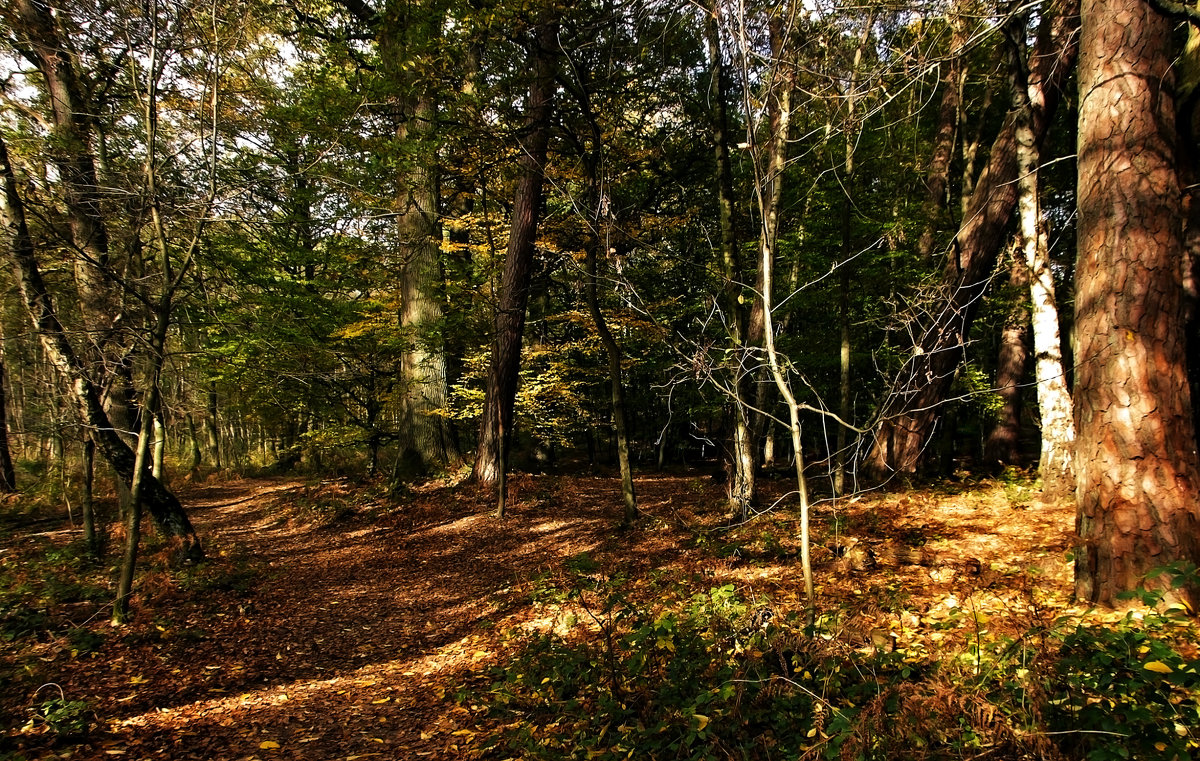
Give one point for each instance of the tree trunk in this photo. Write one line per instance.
(938, 178)
(426, 440)
(133, 525)
(8, 475)
(909, 413)
(195, 456)
(1003, 441)
(90, 535)
(743, 455)
(163, 505)
(1054, 401)
(211, 429)
(503, 373)
(1138, 484)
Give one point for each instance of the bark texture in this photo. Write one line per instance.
(426, 440)
(739, 385)
(1137, 470)
(910, 412)
(505, 367)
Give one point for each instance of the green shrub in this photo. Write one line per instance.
(711, 676)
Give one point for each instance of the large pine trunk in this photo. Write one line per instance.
(911, 410)
(505, 367)
(1137, 471)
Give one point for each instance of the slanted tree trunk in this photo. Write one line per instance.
(503, 373)
(937, 178)
(1003, 441)
(909, 413)
(168, 513)
(1138, 478)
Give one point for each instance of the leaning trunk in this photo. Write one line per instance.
(166, 509)
(505, 366)
(910, 412)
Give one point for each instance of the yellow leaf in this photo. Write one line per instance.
(139, 679)
(1158, 667)
(701, 721)
(268, 745)
(1160, 746)
(381, 700)
(463, 733)
(812, 732)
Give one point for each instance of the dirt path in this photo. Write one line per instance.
(356, 633)
(353, 633)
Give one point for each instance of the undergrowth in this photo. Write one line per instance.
(712, 676)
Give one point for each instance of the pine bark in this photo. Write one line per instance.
(503, 373)
(938, 177)
(1138, 479)
(910, 412)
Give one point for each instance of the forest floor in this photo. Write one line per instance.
(335, 623)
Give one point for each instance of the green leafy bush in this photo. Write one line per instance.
(711, 676)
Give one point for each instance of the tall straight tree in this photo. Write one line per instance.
(503, 372)
(408, 45)
(1054, 400)
(1138, 477)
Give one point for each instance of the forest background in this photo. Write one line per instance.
(850, 244)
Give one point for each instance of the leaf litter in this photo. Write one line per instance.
(360, 635)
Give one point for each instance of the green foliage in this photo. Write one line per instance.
(710, 676)
(1127, 692)
(65, 718)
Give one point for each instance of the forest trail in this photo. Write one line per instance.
(337, 625)
(355, 634)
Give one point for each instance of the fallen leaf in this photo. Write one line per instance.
(268, 745)
(1158, 667)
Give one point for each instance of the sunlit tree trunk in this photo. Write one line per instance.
(911, 409)
(408, 31)
(1138, 479)
(504, 370)
(743, 455)
(1054, 400)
